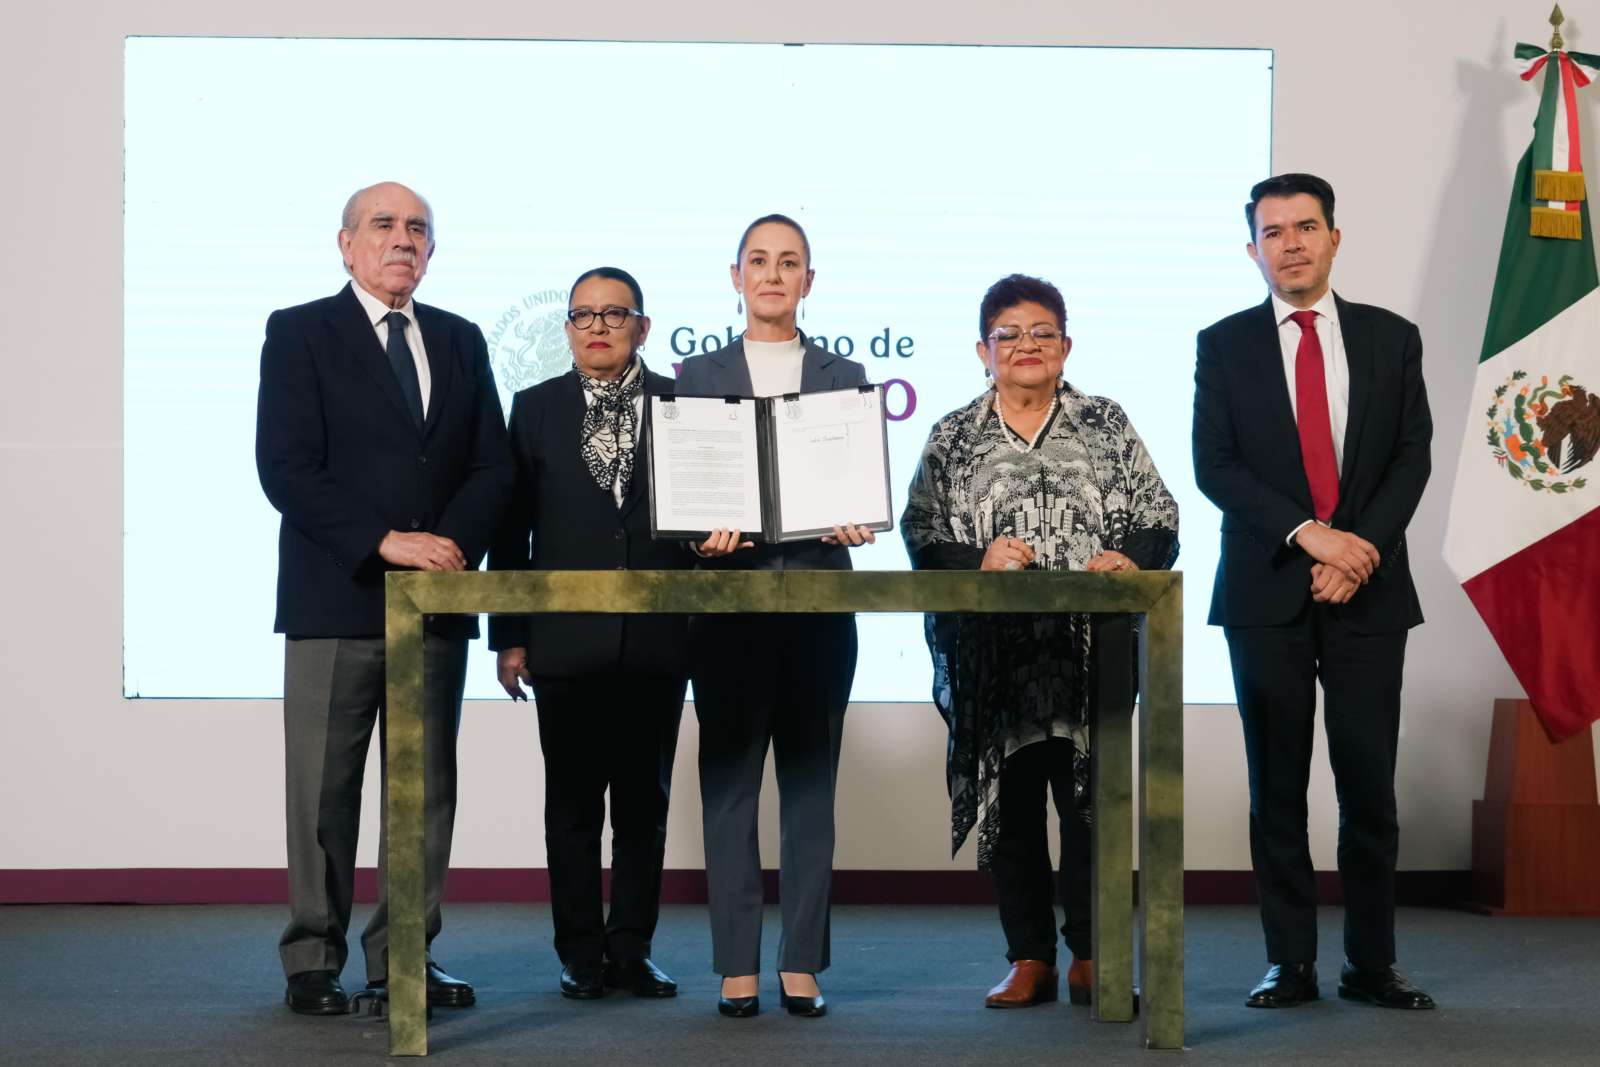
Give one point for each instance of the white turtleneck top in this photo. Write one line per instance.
(774, 365)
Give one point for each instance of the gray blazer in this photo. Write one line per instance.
(725, 372)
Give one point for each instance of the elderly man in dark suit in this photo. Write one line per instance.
(1311, 432)
(379, 437)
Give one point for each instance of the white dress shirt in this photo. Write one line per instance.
(774, 365)
(1335, 368)
(377, 314)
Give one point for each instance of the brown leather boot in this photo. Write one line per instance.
(1080, 981)
(1030, 982)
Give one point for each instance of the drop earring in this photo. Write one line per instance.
(738, 309)
(802, 309)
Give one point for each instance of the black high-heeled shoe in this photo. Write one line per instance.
(739, 1007)
(806, 1007)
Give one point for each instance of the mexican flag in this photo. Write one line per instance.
(1524, 530)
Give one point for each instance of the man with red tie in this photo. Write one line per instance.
(1311, 434)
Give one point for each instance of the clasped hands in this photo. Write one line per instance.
(1013, 554)
(723, 542)
(1344, 562)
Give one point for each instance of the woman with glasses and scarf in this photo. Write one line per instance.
(778, 680)
(1031, 475)
(608, 689)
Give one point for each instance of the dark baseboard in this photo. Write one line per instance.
(1412, 889)
(485, 885)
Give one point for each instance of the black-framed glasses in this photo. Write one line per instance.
(614, 317)
(1010, 335)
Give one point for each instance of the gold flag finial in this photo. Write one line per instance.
(1556, 19)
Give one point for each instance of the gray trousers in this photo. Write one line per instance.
(333, 692)
(785, 681)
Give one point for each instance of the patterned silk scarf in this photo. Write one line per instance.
(611, 427)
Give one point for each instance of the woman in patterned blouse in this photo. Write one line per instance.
(1032, 474)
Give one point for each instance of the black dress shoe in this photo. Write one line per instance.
(447, 992)
(1383, 986)
(808, 1007)
(583, 981)
(639, 977)
(739, 1007)
(1285, 985)
(443, 990)
(316, 993)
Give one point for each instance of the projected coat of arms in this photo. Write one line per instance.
(1541, 433)
(527, 343)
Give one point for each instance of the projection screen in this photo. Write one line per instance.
(922, 174)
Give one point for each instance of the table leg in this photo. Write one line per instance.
(1161, 822)
(408, 989)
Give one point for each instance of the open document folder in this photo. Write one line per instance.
(783, 468)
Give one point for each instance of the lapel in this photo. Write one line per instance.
(1355, 330)
(734, 368)
(350, 323)
(441, 363)
(733, 378)
(654, 385)
(1278, 409)
(815, 377)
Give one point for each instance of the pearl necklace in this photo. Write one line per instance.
(1012, 436)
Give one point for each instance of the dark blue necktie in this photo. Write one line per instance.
(403, 365)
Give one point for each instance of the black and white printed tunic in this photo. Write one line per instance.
(1083, 486)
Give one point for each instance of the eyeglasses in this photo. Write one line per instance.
(1010, 335)
(614, 317)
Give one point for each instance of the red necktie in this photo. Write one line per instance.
(1311, 412)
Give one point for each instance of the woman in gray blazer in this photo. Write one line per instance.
(782, 680)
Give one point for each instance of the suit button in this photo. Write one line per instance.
(423, 460)
(617, 536)
(416, 524)
(622, 567)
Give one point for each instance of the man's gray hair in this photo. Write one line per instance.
(351, 219)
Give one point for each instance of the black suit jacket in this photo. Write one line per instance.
(561, 519)
(1247, 461)
(726, 372)
(341, 459)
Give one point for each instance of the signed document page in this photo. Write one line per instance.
(832, 462)
(706, 465)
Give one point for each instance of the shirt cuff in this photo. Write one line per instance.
(1292, 533)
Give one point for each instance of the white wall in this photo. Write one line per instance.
(1412, 111)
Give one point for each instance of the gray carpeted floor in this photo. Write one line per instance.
(161, 985)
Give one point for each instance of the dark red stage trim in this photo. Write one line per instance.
(493, 885)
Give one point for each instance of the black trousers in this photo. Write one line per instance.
(782, 681)
(618, 733)
(1020, 861)
(1275, 671)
